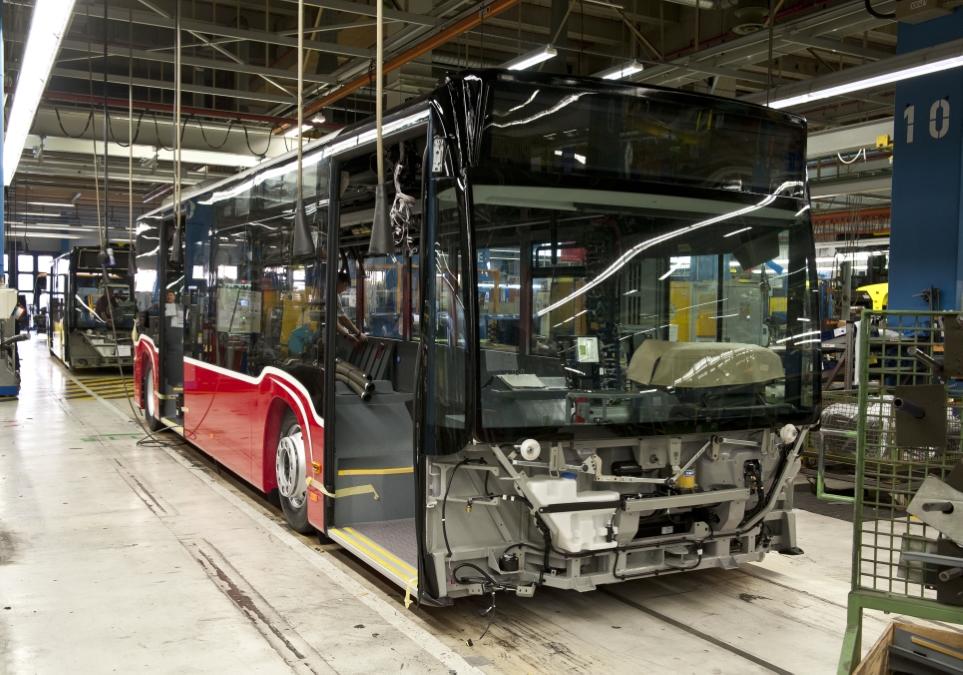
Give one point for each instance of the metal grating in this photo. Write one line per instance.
(888, 474)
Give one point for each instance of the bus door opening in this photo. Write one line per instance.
(375, 332)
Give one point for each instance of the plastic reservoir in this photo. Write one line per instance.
(575, 530)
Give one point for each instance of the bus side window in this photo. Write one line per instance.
(238, 310)
(382, 296)
(445, 329)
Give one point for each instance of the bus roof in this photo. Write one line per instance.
(488, 76)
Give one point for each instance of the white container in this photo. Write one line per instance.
(574, 531)
(8, 302)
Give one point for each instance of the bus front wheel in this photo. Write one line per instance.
(291, 472)
(150, 400)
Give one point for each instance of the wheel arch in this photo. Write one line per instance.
(277, 409)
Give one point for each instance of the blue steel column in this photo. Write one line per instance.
(926, 236)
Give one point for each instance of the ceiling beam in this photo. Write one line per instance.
(186, 88)
(206, 28)
(209, 64)
(372, 11)
(454, 30)
(836, 47)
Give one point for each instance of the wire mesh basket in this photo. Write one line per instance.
(896, 349)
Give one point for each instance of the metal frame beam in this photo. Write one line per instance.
(185, 88)
(210, 64)
(159, 20)
(841, 20)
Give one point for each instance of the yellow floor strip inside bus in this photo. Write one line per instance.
(368, 547)
(376, 472)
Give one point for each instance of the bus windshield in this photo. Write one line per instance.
(633, 308)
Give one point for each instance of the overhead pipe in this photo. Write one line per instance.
(440, 38)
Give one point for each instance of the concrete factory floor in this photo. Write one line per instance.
(122, 558)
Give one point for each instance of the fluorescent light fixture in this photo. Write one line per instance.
(735, 232)
(48, 235)
(621, 71)
(64, 228)
(53, 205)
(293, 131)
(41, 214)
(47, 28)
(578, 158)
(670, 272)
(903, 67)
(532, 58)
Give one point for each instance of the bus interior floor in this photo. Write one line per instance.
(122, 557)
(395, 536)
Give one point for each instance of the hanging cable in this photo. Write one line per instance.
(862, 151)
(90, 83)
(66, 133)
(105, 239)
(130, 143)
(110, 125)
(227, 134)
(158, 135)
(247, 141)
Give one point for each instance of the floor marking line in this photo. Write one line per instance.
(293, 649)
(394, 615)
(693, 631)
(123, 416)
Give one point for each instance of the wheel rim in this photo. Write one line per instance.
(289, 467)
(149, 393)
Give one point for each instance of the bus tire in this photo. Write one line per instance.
(150, 401)
(291, 473)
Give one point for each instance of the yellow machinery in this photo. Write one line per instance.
(879, 293)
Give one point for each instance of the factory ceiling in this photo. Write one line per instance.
(239, 65)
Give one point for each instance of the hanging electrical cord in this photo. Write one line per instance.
(487, 583)
(862, 152)
(247, 140)
(131, 259)
(135, 136)
(66, 133)
(158, 135)
(227, 134)
(149, 439)
(444, 505)
(90, 84)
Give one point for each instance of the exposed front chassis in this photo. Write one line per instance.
(97, 349)
(655, 527)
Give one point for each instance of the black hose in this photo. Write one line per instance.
(444, 504)
(878, 15)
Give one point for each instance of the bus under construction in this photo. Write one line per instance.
(591, 353)
(91, 317)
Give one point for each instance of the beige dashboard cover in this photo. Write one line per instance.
(702, 364)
